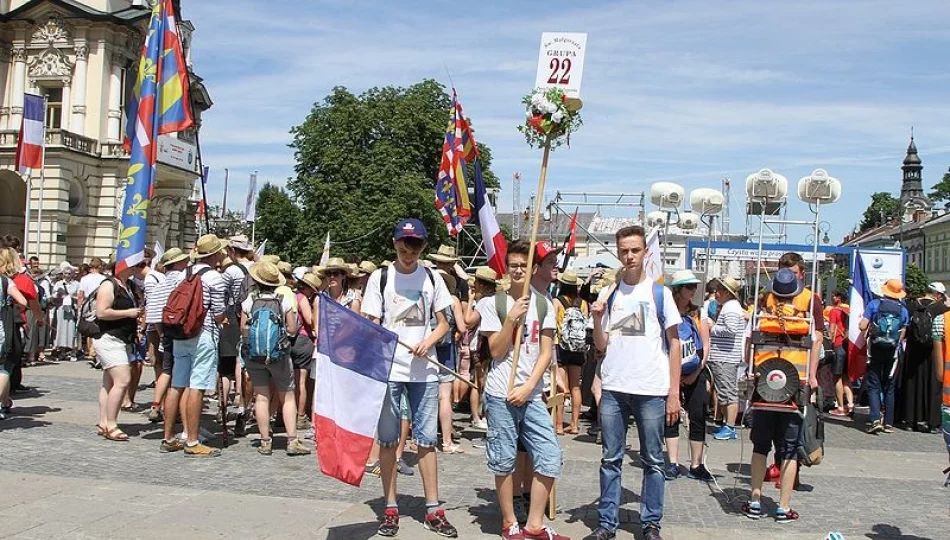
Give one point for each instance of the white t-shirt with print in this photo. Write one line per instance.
(411, 299)
(636, 361)
(496, 383)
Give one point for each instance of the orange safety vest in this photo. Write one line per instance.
(781, 316)
(946, 363)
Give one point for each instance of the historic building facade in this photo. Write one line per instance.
(82, 57)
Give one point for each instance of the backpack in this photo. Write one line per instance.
(658, 300)
(88, 324)
(712, 309)
(572, 331)
(886, 327)
(691, 346)
(41, 297)
(921, 324)
(7, 317)
(184, 312)
(267, 340)
(501, 306)
(811, 449)
(234, 302)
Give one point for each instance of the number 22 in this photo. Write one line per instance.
(557, 65)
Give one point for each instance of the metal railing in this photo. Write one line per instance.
(67, 139)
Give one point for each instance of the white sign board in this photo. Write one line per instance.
(561, 62)
(177, 153)
(744, 254)
(882, 266)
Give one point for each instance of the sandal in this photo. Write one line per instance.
(100, 431)
(116, 434)
(572, 430)
(452, 449)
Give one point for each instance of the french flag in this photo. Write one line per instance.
(352, 381)
(32, 139)
(857, 340)
(496, 247)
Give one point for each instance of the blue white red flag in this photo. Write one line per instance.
(496, 247)
(352, 377)
(31, 143)
(861, 296)
(458, 149)
(159, 105)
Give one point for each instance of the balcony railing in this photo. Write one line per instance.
(67, 139)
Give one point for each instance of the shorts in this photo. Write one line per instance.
(112, 351)
(196, 362)
(423, 401)
(227, 365)
(529, 424)
(840, 366)
(301, 353)
(446, 356)
(726, 381)
(6, 366)
(168, 355)
(280, 373)
(569, 358)
(779, 429)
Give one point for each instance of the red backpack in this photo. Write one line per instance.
(184, 313)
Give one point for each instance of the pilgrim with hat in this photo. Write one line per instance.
(445, 259)
(885, 321)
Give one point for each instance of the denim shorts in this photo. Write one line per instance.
(780, 429)
(531, 424)
(196, 362)
(423, 398)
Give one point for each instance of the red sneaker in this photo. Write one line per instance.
(513, 532)
(772, 473)
(545, 533)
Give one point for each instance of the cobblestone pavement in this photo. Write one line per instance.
(59, 480)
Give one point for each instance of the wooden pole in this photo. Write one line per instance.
(526, 290)
(436, 363)
(552, 497)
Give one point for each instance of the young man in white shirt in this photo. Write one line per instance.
(640, 375)
(521, 413)
(404, 297)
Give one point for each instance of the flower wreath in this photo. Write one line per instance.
(550, 117)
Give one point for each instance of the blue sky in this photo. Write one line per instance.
(686, 91)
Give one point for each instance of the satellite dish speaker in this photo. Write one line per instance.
(656, 218)
(667, 195)
(706, 201)
(766, 185)
(819, 187)
(688, 221)
(777, 380)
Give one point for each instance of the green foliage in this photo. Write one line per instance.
(884, 207)
(941, 190)
(915, 281)
(842, 276)
(232, 223)
(363, 163)
(278, 220)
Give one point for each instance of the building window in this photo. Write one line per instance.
(77, 199)
(54, 108)
(943, 260)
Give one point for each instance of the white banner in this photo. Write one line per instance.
(747, 254)
(882, 266)
(177, 153)
(250, 205)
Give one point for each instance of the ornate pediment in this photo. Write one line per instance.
(51, 31)
(51, 64)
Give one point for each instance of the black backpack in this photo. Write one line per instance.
(812, 437)
(921, 324)
(8, 314)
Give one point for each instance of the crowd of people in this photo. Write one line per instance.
(219, 324)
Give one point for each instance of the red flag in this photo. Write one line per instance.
(570, 242)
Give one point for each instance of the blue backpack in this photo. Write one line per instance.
(887, 324)
(267, 340)
(691, 345)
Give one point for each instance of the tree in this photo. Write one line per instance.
(232, 223)
(365, 162)
(278, 220)
(941, 191)
(915, 282)
(884, 207)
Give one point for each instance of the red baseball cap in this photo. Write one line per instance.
(543, 249)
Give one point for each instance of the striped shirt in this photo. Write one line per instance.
(153, 309)
(727, 335)
(164, 290)
(233, 278)
(213, 287)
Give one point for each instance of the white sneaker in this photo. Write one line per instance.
(480, 425)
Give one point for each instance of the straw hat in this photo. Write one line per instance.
(445, 254)
(366, 268)
(730, 284)
(172, 256)
(487, 274)
(319, 270)
(570, 278)
(208, 245)
(285, 268)
(894, 289)
(312, 280)
(266, 273)
(273, 259)
(241, 242)
(354, 270)
(336, 263)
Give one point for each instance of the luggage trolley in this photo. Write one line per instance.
(782, 336)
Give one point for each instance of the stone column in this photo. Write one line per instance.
(19, 80)
(114, 130)
(64, 119)
(79, 87)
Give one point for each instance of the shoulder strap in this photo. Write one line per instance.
(501, 305)
(542, 307)
(243, 269)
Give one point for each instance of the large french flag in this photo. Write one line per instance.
(496, 247)
(860, 297)
(32, 139)
(352, 380)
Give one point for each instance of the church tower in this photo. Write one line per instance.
(912, 192)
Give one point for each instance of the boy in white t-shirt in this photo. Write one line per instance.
(404, 297)
(520, 413)
(640, 375)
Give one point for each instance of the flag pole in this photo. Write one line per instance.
(39, 212)
(204, 192)
(26, 220)
(439, 365)
(526, 289)
(224, 201)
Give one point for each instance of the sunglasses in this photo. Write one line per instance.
(336, 273)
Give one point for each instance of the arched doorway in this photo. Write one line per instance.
(12, 203)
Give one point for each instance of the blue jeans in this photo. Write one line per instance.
(423, 413)
(879, 380)
(650, 415)
(532, 423)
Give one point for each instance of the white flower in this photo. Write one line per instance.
(557, 117)
(549, 107)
